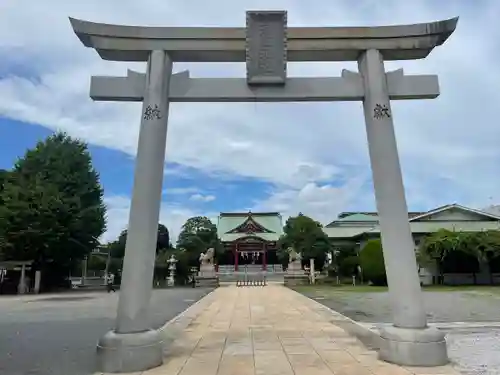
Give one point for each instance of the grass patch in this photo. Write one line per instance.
(462, 288)
(337, 289)
(341, 289)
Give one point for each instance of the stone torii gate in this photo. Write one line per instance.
(266, 45)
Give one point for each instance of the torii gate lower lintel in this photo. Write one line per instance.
(348, 87)
(266, 45)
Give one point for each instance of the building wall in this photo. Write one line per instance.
(453, 215)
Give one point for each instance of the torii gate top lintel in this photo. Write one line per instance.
(229, 44)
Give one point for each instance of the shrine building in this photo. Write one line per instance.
(249, 239)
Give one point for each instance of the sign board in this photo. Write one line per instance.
(266, 40)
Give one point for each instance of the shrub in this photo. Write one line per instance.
(372, 263)
(348, 266)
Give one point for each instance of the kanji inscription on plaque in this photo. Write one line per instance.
(266, 47)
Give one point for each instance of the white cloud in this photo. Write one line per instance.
(180, 191)
(449, 146)
(171, 215)
(202, 198)
(321, 202)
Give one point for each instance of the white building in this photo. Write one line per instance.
(356, 228)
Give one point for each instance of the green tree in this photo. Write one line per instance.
(162, 242)
(195, 224)
(484, 246)
(348, 266)
(440, 246)
(117, 247)
(53, 210)
(4, 175)
(197, 235)
(307, 237)
(96, 262)
(163, 239)
(282, 252)
(3, 178)
(183, 269)
(372, 264)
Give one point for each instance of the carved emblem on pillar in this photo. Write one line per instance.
(381, 111)
(152, 113)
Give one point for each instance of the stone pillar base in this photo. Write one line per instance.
(413, 347)
(129, 352)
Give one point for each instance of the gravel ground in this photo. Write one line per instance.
(57, 334)
(440, 306)
(474, 351)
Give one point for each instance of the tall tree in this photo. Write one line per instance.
(195, 224)
(53, 211)
(163, 239)
(162, 242)
(306, 236)
(117, 247)
(3, 179)
(197, 235)
(3, 176)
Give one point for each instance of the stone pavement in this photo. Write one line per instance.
(270, 330)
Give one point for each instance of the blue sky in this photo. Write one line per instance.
(309, 158)
(181, 186)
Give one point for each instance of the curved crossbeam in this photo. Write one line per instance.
(225, 44)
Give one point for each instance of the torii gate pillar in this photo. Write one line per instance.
(266, 45)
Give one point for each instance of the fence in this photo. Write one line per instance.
(251, 279)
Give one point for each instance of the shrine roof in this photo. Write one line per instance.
(458, 226)
(359, 217)
(343, 215)
(451, 217)
(271, 222)
(230, 237)
(345, 232)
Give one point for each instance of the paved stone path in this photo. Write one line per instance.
(270, 330)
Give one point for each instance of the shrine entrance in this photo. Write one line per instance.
(249, 239)
(250, 250)
(254, 251)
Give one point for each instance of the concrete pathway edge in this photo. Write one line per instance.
(172, 328)
(369, 336)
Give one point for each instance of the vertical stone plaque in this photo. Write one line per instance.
(266, 40)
